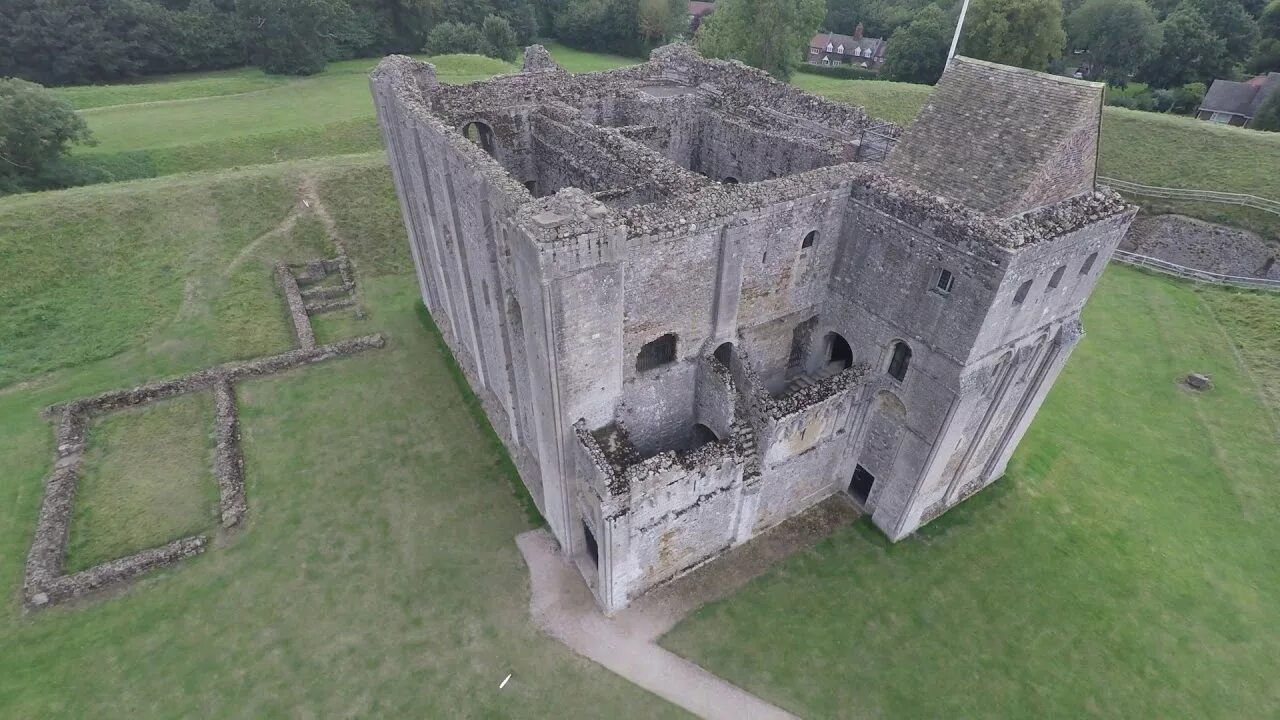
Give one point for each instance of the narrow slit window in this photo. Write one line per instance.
(1021, 295)
(1056, 280)
(1088, 264)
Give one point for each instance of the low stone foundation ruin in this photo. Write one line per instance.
(45, 583)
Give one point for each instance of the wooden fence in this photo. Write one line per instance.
(1176, 270)
(1212, 196)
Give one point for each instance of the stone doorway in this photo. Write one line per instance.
(860, 485)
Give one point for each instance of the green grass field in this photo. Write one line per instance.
(377, 574)
(1123, 568)
(146, 479)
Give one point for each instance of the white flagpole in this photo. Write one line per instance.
(955, 40)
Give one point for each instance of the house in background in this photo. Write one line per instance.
(836, 49)
(699, 11)
(1235, 103)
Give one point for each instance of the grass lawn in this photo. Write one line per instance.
(377, 574)
(147, 479)
(897, 102)
(1123, 568)
(189, 123)
(170, 87)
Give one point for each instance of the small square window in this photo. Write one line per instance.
(946, 281)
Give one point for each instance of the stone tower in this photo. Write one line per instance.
(691, 312)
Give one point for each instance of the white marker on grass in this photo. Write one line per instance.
(504, 681)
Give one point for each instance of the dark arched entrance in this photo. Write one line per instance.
(724, 353)
(839, 354)
(480, 134)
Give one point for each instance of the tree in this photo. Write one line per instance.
(1267, 57)
(918, 51)
(294, 37)
(499, 38)
(768, 34)
(1189, 51)
(1232, 23)
(661, 20)
(1026, 33)
(1120, 36)
(1268, 117)
(448, 38)
(37, 128)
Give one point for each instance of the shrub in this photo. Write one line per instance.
(37, 129)
(499, 38)
(452, 37)
(1268, 117)
(844, 72)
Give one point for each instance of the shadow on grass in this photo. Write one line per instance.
(476, 411)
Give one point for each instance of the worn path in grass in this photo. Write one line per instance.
(625, 643)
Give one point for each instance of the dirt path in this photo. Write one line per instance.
(562, 606)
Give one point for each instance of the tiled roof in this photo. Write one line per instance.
(696, 7)
(1240, 98)
(867, 43)
(1003, 140)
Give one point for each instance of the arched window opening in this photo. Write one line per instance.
(839, 354)
(809, 239)
(703, 435)
(1056, 280)
(729, 180)
(724, 353)
(899, 361)
(480, 134)
(1088, 264)
(657, 353)
(1022, 293)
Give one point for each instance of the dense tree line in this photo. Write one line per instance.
(60, 42)
(1165, 44)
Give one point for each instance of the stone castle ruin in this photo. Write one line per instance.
(691, 310)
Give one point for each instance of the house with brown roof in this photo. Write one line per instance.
(1236, 103)
(835, 49)
(699, 11)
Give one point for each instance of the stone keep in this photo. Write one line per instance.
(691, 310)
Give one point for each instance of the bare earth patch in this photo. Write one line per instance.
(1204, 246)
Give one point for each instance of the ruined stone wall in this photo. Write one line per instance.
(457, 202)
(1008, 320)
(683, 510)
(722, 146)
(809, 456)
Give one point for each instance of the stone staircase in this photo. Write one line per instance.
(806, 380)
(744, 437)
